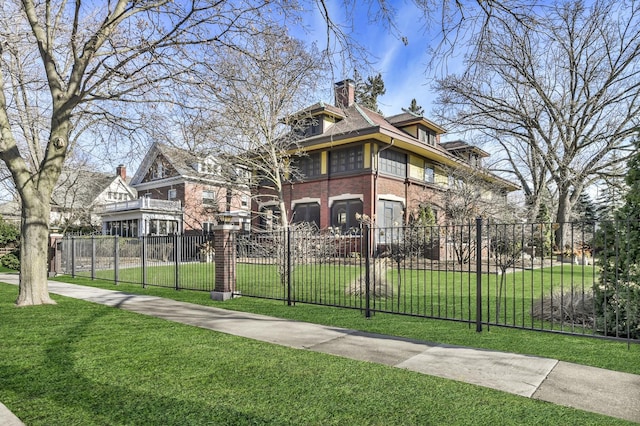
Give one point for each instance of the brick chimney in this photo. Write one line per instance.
(121, 171)
(345, 92)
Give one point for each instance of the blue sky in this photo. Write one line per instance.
(403, 67)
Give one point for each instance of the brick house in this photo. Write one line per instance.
(179, 192)
(357, 161)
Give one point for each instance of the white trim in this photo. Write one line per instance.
(268, 204)
(391, 197)
(345, 197)
(159, 183)
(305, 200)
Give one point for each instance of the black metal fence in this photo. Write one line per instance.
(180, 262)
(578, 278)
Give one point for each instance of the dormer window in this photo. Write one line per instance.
(310, 126)
(316, 126)
(426, 136)
(207, 167)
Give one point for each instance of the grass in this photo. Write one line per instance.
(582, 350)
(79, 363)
(507, 299)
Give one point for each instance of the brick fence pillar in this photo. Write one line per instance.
(55, 255)
(225, 258)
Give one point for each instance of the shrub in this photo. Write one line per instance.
(618, 291)
(570, 307)
(9, 233)
(11, 261)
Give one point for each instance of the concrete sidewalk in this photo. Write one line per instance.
(587, 388)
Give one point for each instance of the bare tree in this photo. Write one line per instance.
(471, 193)
(261, 120)
(557, 89)
(68, 67)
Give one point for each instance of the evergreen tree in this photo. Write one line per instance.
(617, 297)
(367, 92)
(609, 199)
(414, 108)
(585, 209)
(543, 237)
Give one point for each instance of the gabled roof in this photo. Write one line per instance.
(81, 188)
(360, 123)
(408, 118)
(461, 146)
(316, 109)
(183, 161)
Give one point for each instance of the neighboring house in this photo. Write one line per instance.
(80, 194)
(180, 192)
(10, 211)
(358, 162)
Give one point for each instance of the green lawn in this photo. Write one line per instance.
(79, 363)
(583, 350)
(507, 299)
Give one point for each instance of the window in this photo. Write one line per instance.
(343, 215)
(309, 166)
(314, 126)
(209, 199)
(171, 194)
(209, 167)
(207, 227)
(158, 173)
(429, 174)
(346, 160)
(455, 182)
(393, 163)
(309, 126)
(307, 212)
(426, 136)
(245, 201)
(391, 216)
(390, 213)
(123, 228)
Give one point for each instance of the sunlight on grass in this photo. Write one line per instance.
(83, 363)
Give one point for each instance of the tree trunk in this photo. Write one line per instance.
(34, 246)
(562, 217)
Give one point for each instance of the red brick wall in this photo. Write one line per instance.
(325, 189)
(414, 193)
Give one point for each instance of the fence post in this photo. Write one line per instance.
(93, 257)
(479, 274)
(144, 261)
(176, 250)
(55, 253)
(73, 257)
(288, 234)
(116, 259)
(367, 269)
(225, 258)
